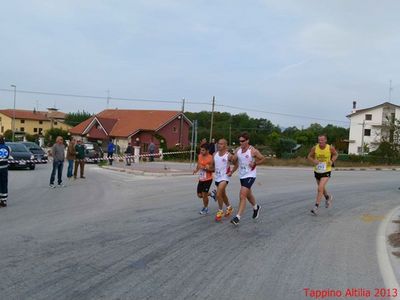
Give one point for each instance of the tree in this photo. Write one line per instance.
(389, 147)
(51, 135)
(76, 118)
(8, 135)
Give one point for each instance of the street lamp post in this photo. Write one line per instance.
(13, 120)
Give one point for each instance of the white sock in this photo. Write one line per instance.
(237, 216)
(255, 207)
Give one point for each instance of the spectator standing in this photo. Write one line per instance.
(71, 156)
(80, 159)
(152, 150)
(58, 154)
(212, 147)
(128, 154)
(110, 151)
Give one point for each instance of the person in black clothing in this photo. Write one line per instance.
(129, 153)
(212, 147)
(4, 154)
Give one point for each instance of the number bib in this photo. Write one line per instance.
(243, 169)
(321, 167)
(202, 174)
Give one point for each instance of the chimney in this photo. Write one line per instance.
(354, 107)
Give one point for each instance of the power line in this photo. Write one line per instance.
(281, 114)
(108, 98)
(101, 97)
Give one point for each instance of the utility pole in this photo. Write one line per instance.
(230, 133)
(212, 119)
(181, 123)
(13, 119)
(362, 138)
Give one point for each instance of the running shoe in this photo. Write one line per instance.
(328, 201)
(3, 203)
(314, 211)
(204, 211)
(52, 186)
(256, 212)
(235, 221)
(220, 214)
(229, 211)
(61, 185)
(214, 194)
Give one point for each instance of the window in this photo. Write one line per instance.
(2, 128)
(368, 117)
(55, 123)
(40, 122)
(367, 132)
(34, 129)
(174, 129)
(22, 129)
(40, 130)
(22, 121)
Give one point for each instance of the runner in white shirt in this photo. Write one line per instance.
(246, 158)
(222, 169)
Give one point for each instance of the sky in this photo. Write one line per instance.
(293, 62)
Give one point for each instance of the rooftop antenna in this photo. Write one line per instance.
(108, 98)
(390, 90)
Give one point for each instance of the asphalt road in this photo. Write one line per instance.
(121, 236)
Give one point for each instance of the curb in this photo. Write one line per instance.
(382, 251)
(145, 173)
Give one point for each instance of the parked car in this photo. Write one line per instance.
(37, 151)
(20, 157)
(93, 150)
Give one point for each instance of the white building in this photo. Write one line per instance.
(368, 126)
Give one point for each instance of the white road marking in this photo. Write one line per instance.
(389, 278)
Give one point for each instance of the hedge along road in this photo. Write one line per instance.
(120, 236)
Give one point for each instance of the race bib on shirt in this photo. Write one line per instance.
(321, 167)
(244, 169)
(202, 174)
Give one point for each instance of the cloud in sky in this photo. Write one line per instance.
(306, 57)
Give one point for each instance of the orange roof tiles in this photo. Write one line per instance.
(33, 115)
(124, 122)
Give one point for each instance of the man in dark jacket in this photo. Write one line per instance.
(58, 154)
(80, 159)
(4, 154)
(128, 154)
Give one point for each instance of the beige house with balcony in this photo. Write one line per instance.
(32, 121)
(369, 125)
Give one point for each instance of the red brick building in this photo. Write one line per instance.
(167, 129)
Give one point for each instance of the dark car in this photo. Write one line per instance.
(93, 151)
(38, 152)
(20, 157)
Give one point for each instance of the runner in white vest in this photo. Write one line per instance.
(222, 167)
(246, 158)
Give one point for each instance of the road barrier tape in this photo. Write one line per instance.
(98, 159)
